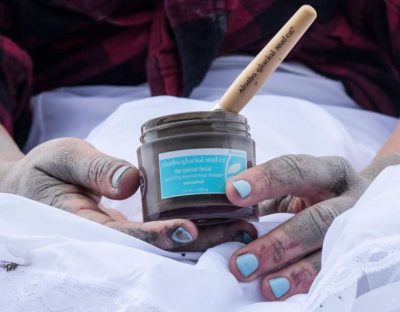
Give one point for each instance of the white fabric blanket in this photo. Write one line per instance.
(67, 263)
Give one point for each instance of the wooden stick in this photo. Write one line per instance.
(265, 63)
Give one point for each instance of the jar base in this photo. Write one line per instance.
(207, 215)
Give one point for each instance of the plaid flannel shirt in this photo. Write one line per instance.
(50, 43)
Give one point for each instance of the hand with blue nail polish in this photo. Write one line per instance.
(316, 190)
(72, 175)
(69, 174)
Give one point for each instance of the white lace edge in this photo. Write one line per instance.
(353, 266)
(127, 298)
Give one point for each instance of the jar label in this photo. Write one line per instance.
(199, 171)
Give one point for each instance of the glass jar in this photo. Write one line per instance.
(184, 163)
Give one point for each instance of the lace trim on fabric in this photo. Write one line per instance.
(26, 289)
(367, 258)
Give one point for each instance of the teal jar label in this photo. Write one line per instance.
(199, 171)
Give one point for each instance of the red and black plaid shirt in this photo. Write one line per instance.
(49, 43)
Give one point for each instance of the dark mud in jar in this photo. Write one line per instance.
(184, 162)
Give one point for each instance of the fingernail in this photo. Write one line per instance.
(247, 264)
(181, 236)
(279, 286)
(246, 238)
(242, 187)
(118, 175)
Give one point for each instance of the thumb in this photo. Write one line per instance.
(77, 162)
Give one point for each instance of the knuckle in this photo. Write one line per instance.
(321, 217)
(302, 279)
(341, 165)
(278, 250)
(342, 172)
(296, 166)
(57, 200)
(97, 169)
(264, 174)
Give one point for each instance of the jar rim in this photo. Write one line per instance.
(212, 116)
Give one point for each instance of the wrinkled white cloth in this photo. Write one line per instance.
(66, 263)
(361, 254)
(71, 264)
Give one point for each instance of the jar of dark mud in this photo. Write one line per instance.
(184, 163)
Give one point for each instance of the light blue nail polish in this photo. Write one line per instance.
(181, 236)
(247, 264)
(279, 286)
(246, 238)
(118, 174)
(242, 187)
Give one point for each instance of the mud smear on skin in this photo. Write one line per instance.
(8, 266)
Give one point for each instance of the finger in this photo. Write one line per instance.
(82, 205)
(298, 175)
(213, 235)
(115, 214)
(289, 203)
(294, 279)
(295, 238)
(169, 234)
(164, 234)
(268, 206)
(77, 162)
(94, 215)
